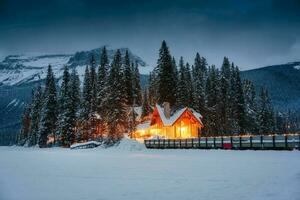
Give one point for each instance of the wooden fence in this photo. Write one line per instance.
(273, 142)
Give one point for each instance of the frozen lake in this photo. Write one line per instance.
(104, 174)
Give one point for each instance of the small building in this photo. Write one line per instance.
(181, 124)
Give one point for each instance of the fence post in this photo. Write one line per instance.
(299, 142)
(250, 141)
(192, 142)
(186, 146)
(180, 143)
(261, 142)
(240, 142)
(214, 142)
(286, 141)
(273, 139)
(231, 142)
(206, 143)
(222, 142)
(199, 140)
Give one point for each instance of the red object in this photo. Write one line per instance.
(227, 146)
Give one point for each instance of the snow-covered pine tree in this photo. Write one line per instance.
(93, 84)
(102, 90)
(146, 108)
(35, 115)
(199, 76)
(212, 98)
(176, 78)
(136, 84)
(49, 110)
(153, 88)
(190, 86)
(250, 107)
(240, 104)
(25, 126)
(182, 89)
(65, 125)
(265, 113)
(85, 109)
(116, 113)
(128, 76)
(74, 87)
(223, 105)
(166, 82)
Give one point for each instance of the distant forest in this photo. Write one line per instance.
(103, 108)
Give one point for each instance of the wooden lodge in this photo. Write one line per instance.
(181, 124)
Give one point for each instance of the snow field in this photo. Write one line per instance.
(126, 172)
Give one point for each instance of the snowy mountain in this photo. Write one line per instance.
(282, 81)
(22, 69)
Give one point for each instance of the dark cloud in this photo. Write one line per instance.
(252, 33)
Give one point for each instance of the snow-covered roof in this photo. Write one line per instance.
(170, 121)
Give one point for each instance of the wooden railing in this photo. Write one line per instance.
(275, 142)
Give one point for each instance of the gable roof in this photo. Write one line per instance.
(170, 121)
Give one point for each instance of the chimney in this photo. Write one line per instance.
(167, 109)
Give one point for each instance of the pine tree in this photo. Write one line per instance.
(223, 106)
(146, 108)
(102, 90)
(49, 110)
(74, 88)
(166, 82)
(199, 76)
(35, 114)
(212, 119)
(85, 110)
(93, 101)
(25, 126)
(128, 80)
(250, 107)
(240, 104)
(66, 126)
(183, 90)
(136, 85)
(189, 83)
(116, 116)
(93, 85)
(265, 117)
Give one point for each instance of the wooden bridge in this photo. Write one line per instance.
(270, 142)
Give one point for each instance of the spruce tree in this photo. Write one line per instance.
(25, 126)
(166, 82)
(74, 88)
(93, 85)
(183, 91)
(136, 85)
(116, 113)
(66, 126)
(265, 115)
(146, 108)
(199, 77)
(49, 110)
(102, 90)
(240, 104)
(85, 110)
(35, 115)
(128, 80)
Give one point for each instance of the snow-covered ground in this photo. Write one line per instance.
(132, 172)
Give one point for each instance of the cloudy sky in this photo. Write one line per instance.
(251, 33)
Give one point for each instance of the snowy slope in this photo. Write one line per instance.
(114, 174)
(22, 69)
